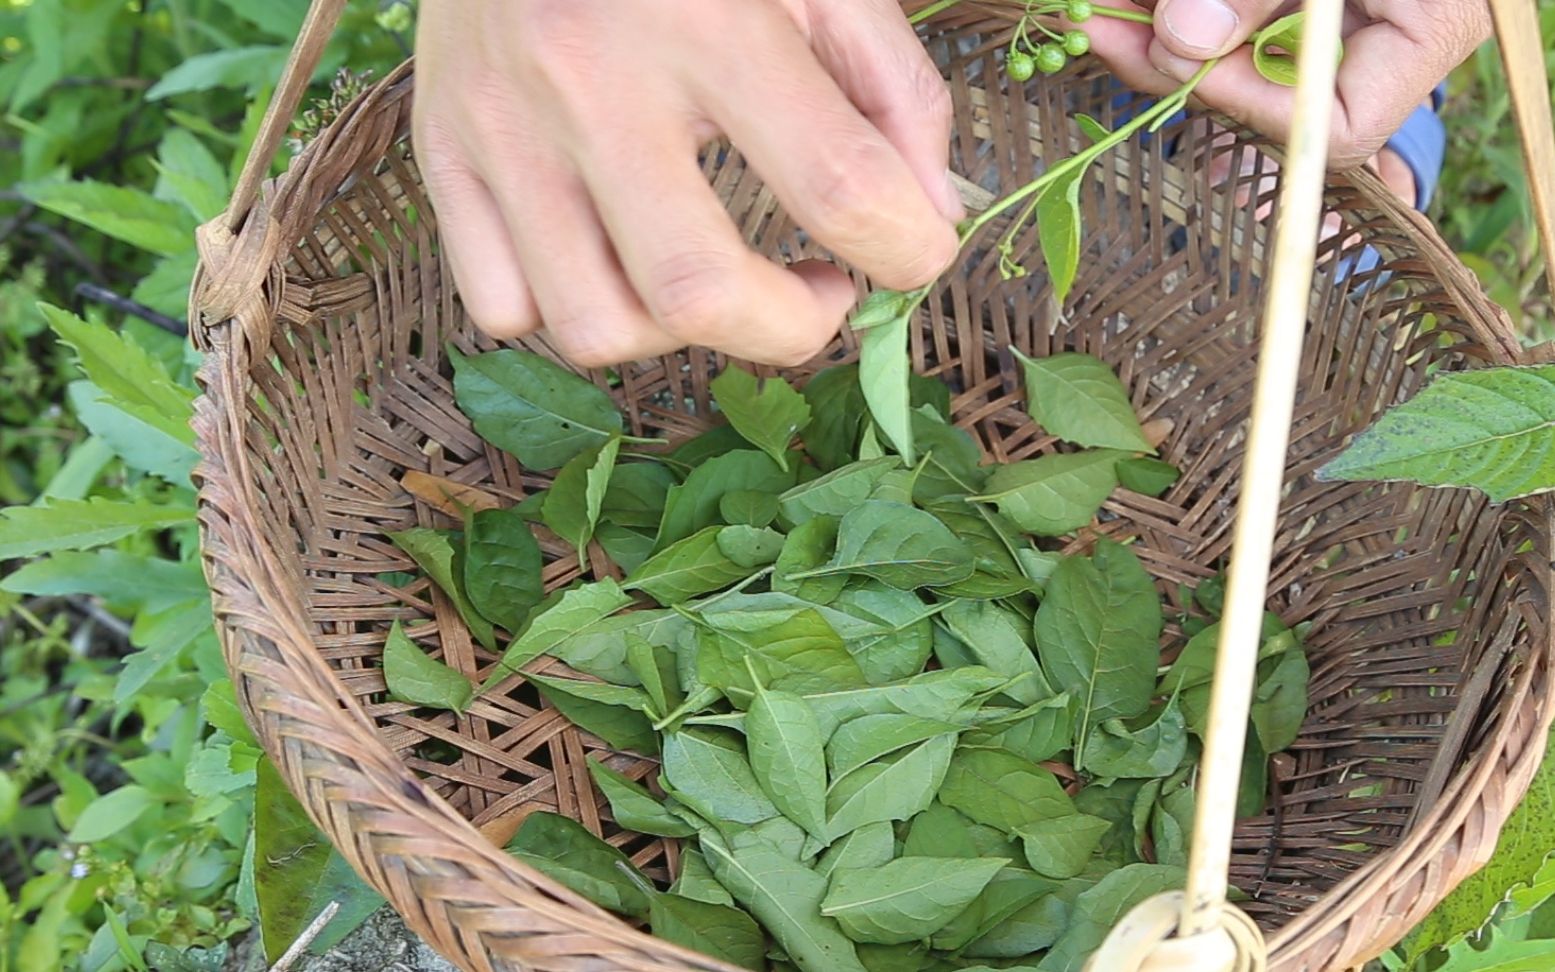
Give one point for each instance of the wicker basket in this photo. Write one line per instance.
(325, 319)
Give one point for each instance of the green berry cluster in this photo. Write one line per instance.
(1051, 49)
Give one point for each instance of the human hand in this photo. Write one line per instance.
(1396, 51)
(558, 140)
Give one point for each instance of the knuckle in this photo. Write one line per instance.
(933, 95)
(560, 38)
(844, 194)
(500, 319)
(693, 295)
(928, 259)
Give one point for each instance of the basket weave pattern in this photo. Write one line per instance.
(325, 320)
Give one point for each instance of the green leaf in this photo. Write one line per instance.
(995, 638)
(130, 215)
(532, 407)
(58, 525)
(710, 774)
(1097, 911)
(655, 668)
(626, 547)
(219, 705)
(837, 492)
(750, 548)
(1276, 46)
(576, 610)
(190, 174)
(884, 366)
(785, 896)
(1002, 790)
(1113, 750)
(767, 412)
(1280, 702)
(837, 416)
(574, 501)
(748, 507)
(1491, 429)
(1006, 899)
(1058, 231)
(633, 807)
(1060, 847)
(302, 872)
(895, 788)
(415, 677)
(939, 695)
(907, 899)
(879, 309)
(1093, 129)
(434, 552)
(687, 568)
(110, 813)
(564, 850)
(895, 633)
(129, 378)
(788, 757)
(867, 738)
(808, 546)
(1040, 733)
(693, 505)
(1098, 629)
(615, 713)
(1147, 476)
(1055, 494)
(709, 929)
(636, 495)
(717, 441)
(898, 545)
(696, 880)
(869, 846)
(1035, 926)
(139, 443)
(249, 68)
(1078, 398)
(502, 567)
(790, 650)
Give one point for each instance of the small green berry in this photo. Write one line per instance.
(1076, 42)
(1020, 66)
(1051, 59)
(1080, 11)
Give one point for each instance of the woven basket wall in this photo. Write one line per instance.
(326, 381)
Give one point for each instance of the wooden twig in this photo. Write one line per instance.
(108, 298)
(314, 929)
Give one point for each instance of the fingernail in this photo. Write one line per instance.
(1200, 27)
(1173, 66)
(949, 202)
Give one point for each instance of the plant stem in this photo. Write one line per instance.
(931, 10)
(1137, 16)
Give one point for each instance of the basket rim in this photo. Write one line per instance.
(335, 759)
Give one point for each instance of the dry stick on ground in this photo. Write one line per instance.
(306, 938)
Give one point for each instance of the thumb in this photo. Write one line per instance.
(1202, 29)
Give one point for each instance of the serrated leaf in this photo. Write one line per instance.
(130, 215)
(130, 378)
(1054, 494)
(564, 850)
(633, 807)
(787, 756)
(58, 525)
(573, 612)
(768, 413)
(1492, 429)
(434, 552)
(1098, 630)
(532, 407)
(248, 68)
(907, 899)
(502, 567)
(142, 445)
(898, 545)
(574, 501)
(413, 676)
(1079, 399)
(686, 568)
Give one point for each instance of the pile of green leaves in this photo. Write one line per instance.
(895, 728)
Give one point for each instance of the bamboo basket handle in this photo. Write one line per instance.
(1198, 930)
(1517, 31)
(322, 17)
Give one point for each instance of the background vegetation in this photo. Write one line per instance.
(128, 783)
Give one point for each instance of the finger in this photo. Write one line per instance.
(694, 272)
(875, 56)
(480, 250)
(1125, 47)
(833, 171)
(1202, 29)
(590, 312)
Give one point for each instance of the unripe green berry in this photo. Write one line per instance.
(1076, 42)
(1020, 66)
(1080, 11)
(1051, 59)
